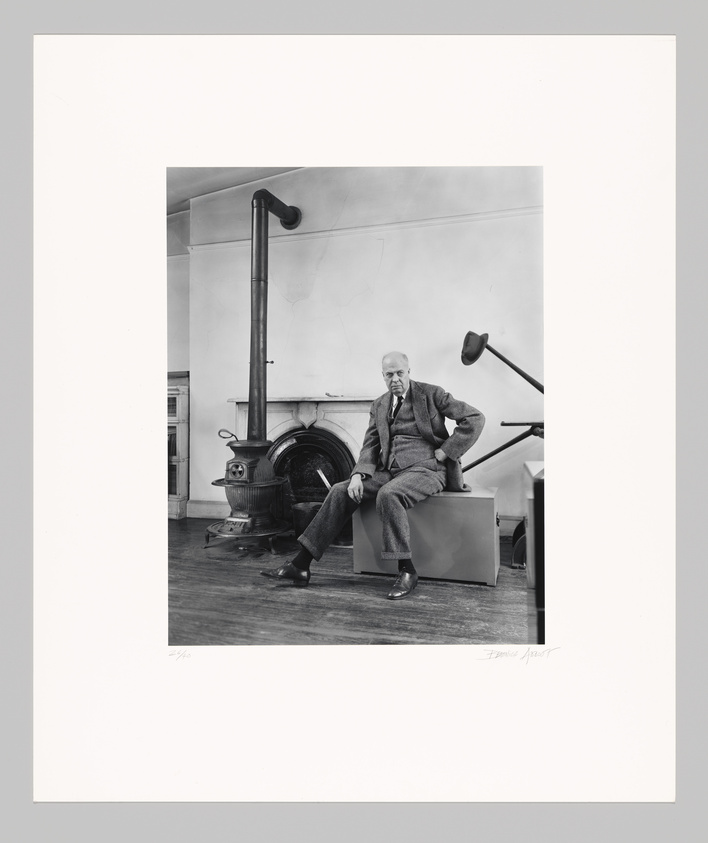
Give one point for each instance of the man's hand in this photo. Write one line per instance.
(356, 488)
(440, 455)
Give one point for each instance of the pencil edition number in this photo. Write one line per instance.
(178, 655)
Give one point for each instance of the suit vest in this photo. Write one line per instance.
(407, 446)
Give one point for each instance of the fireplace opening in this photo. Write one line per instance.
(298, 455)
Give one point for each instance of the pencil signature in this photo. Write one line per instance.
(530, 654)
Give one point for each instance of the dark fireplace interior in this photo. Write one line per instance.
(298, 455)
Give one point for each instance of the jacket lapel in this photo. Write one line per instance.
(420, 411)
(382, 426)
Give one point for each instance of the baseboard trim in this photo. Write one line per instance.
(207, 509)
(217, 509)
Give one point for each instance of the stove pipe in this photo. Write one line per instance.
(249, 481)
(263, 202)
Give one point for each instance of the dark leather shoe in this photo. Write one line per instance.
(288, 572)
(405, 583)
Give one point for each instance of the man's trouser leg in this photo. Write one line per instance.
(334, 512)
(405, 489)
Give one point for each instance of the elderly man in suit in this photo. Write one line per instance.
(407, 455)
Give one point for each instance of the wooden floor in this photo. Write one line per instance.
(217, 596)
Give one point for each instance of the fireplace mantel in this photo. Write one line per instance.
(346, 416)
(324, 399)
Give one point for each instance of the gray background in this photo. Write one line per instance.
(265, 822)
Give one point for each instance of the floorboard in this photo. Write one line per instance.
(218, 597)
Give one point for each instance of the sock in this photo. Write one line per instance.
(303, 559)
(406, 565)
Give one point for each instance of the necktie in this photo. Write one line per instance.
(395, 406)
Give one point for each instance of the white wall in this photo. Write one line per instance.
(178, 292)
(178, 233)
(405, 258)
(178, 313)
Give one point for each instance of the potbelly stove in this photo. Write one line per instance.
(252, 488)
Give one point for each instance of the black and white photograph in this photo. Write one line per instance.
(362, 275)
(350, 413)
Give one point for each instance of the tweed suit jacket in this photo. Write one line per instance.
(431, 406)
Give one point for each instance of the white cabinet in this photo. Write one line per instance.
(454, 536)
(177, 451)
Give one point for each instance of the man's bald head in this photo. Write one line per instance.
(396, 372)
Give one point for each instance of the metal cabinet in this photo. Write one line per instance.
(454, 536)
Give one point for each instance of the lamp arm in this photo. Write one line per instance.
(498, 450)
(532, 381)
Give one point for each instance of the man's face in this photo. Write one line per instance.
(396, 374)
